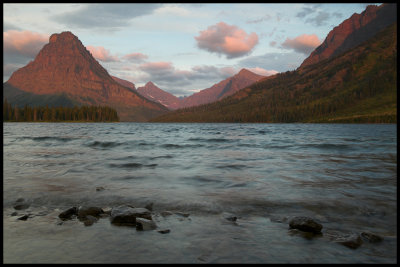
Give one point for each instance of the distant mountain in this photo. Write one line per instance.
(358, 85)
(353, 32)
(222, 89)
(65, 68)
(153, 93)
(124, 83)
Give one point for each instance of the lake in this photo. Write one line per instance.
(342, 175)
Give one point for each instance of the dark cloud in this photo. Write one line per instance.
(320, 19)
(258, 20)
(9, 26)
(280, 62)
(105, 15)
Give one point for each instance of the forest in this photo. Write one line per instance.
(58, 114)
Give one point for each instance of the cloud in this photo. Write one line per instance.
(229, 40)
(105, 15)
(135, 57)
(258, 20)
(280, 62)
(261, 71)
(24, 43)
(320, 19)
(100, 53)
(302, 44)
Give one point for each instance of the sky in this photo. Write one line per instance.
(182, 48)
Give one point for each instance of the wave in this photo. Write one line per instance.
(47, 138)
(104, 144)
(132, 165)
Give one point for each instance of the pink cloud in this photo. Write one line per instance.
(303, 44)
(261, 71)
(100, 53)
(24, 42)
(157, 67)
(227, 39)
(138, 57)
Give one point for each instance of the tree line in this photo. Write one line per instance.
(58, 114)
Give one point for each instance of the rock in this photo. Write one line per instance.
(348, 239)
(182, 214)
(67, 214)
(149, 206)
(305, 224)
(144, 224)
(164, 231)
(229, 217)
(100, 188)
(19, 205)
(23, 218)
(123, 215)
(142, 213)
(83, 212)
(166, 213)
(107, 210)
(89, 220)
(14, 213)
(370, 237)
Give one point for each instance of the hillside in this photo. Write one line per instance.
(356, 86)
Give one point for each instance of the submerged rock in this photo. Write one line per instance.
(144, 224)
(229, 217)
(371, 237)
(149, 206)
(23, 218)
(305, 224)
(21, 204)
(166, 213)
(89, 220)
(67, 214)
(164, 231)
(348, 239)
(100, 188)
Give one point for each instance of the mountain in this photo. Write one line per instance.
(65, 69)
(124, 83)
(222, 89)
(153, 93)
(354, 31)
(358, 85)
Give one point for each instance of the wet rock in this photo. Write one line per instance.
(142, 213)
(83, 212)
(149, 206)
(100, 188)
(164, 231)
(23, 218)
(89, 220)
(305, 224)
(21, 204)
(279, 219)
(107, 210)
(123, 215)
(183, 214)
(229, 217)
(144, 224)
(67, 214)
(166, 213)
(348, 239)
(14, 213)
(371, 237)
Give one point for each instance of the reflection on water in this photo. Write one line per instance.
(344, 175)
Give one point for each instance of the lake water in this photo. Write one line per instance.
(342, 175)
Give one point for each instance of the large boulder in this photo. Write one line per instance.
(126, 215)
(305, 224)
(83, 212)
(144, 224)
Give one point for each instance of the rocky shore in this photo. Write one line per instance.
(144, 219)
